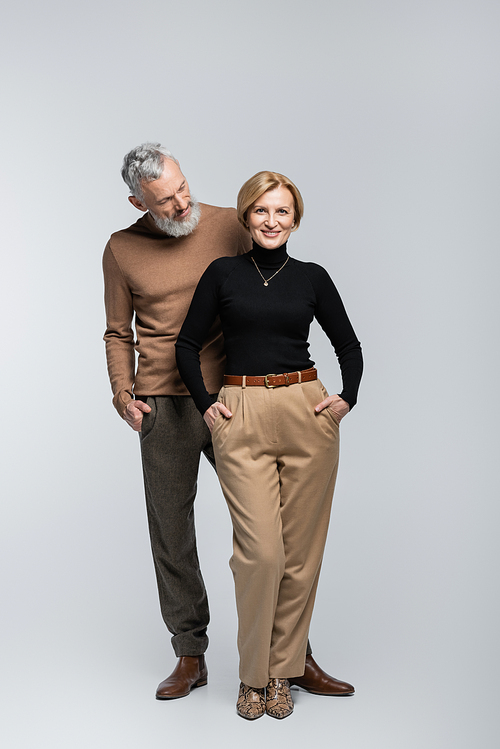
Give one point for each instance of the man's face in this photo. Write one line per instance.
(169, 201)
(166, 197)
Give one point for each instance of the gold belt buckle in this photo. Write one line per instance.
(266, 383)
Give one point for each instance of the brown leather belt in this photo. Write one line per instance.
(273, 380)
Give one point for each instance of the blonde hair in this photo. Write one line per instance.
(263, 182)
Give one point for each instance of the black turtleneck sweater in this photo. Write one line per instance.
(266, 327)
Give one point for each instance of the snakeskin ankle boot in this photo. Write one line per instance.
(251, 702)
(279, 703)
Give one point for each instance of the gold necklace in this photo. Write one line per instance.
(266, 280)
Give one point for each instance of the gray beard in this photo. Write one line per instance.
(180, 228)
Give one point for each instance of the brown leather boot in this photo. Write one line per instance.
(317, 681)
(190, 672)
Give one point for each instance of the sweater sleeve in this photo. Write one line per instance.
(199, 319)
(119, 336)
(332, 316)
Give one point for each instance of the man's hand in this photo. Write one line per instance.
(133, 414)
(213, 411)
(337, 405)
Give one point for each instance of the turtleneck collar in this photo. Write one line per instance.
(268, 258)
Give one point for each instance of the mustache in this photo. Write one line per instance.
(189, 205)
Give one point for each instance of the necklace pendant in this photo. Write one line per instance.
(265, 283)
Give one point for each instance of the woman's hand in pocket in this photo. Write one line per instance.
(337, 405)
(213, 411)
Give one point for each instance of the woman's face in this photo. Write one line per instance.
(271, 218)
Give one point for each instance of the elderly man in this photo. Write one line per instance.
(151, 271)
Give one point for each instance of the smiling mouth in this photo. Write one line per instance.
(184, 213)
(271, 233)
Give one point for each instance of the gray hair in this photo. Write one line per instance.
(144, 164)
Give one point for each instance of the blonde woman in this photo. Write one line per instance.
(275, 436)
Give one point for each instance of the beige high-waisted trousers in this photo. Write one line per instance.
(277, 464)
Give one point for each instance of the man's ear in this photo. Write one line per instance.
(137, 203)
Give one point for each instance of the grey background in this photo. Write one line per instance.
(386, 114)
